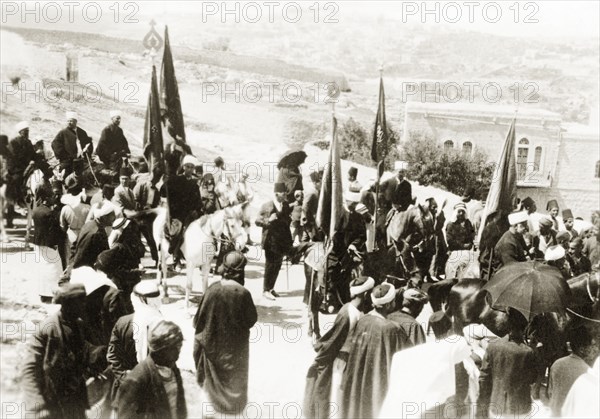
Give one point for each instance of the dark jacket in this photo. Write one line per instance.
(54, 366)
(92, 241)
(142, 394)
(183, 196)
(509, 249)
(459, 234)
(121, 354)
(276, 235)
(112, 145)
(22, 153)
(508, 370)
(47, 231)
(65, 147)
(397, 192)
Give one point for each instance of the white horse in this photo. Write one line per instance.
(199, 242)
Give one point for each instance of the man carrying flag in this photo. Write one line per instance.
(499, 203)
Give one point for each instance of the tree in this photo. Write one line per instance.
(452, 170)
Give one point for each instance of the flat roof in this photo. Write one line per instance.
(481, 109)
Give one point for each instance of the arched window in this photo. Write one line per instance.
(522, 156)
(448, 145)
(598, 169)
(537, 158)
(467, 147)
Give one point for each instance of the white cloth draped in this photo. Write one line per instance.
(422, 376)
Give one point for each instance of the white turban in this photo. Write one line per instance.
(400, 165)
(364, 287)
(189, 159)
(21, 126)
(387, 298)
(90, 279)
(114, 113)
(517, 218)
(101, 211)
(352, 196)
(554, 253)
(71, 115)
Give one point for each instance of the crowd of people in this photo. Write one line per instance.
(109, 326)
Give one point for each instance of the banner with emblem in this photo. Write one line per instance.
(153, 138)
(170, 102)
(380, 133)
(331, 204)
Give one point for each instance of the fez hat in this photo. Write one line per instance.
(279, 187)
(353, 171)
(108, 189)
(566, 214)
(124, 172)
(553, 203)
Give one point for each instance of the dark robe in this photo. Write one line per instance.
(509, 249)
(20, 153)
(318, 380)
(112, 146)
(184, 198)
(221, 347)
(489, 238)
(374, 342)
(410, 325)
(92, 241)
(142, 394)
(53, 368)
(47, 231)
(65, 149)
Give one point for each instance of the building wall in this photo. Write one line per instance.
(568, 160)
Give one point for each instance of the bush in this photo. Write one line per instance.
(355, 144)
(452, 170)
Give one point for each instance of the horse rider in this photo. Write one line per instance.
(185, 204)
(24, 160)
(113, 146)
(210, 200)
(71, 142)
(174, 153)
(396, 191)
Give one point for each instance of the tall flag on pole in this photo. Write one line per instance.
(331, 206)
(171, 112)
(380, 133)
(503, 188)
(153, 139)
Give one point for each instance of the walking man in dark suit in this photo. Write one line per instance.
(275, 218)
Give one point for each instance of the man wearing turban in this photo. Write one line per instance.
(71, 142)
(374, 342)
(154, 389)
(113, 146)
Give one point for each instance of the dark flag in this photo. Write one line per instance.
(503, 188)
(331, 206)
(170, 104)
(153, 139)
(380, 134)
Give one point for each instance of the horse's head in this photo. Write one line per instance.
(233, 226)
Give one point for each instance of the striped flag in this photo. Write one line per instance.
(503, 188)
(170, 102)
(153, 138)
(331, 206)
(380, 133)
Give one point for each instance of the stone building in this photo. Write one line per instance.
(555, 160)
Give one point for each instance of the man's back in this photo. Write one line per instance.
(508, 370)
(563, 374)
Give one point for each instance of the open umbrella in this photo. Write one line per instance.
(291, 158)
(530, 288)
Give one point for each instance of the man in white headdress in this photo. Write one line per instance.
(129, 340)
(113, 146)
(511, 246)
(71, 142)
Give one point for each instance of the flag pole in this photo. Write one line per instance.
(375, 247)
